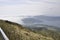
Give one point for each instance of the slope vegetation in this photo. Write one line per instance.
(16, 31)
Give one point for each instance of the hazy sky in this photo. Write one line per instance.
(29, 7)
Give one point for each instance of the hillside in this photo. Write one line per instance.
(46, 30)
(42, 19)
(16, 31)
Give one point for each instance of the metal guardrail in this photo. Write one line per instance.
(3, 34)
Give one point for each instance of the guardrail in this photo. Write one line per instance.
(3, 34)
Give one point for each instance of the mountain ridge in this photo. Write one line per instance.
(41, 19)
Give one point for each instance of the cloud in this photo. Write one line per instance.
(12, 2)
(29, 7)
(32, 9)
(10, 9)
(53, 11)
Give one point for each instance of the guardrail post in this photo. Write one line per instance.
(3, 34)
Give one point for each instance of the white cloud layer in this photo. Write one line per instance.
(29, 7)
(10, 9)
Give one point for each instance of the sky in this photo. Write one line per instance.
(29, 7)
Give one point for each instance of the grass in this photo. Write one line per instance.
(16, 31)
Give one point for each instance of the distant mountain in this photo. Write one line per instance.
(39, 26)
(31, 21)
(41, 19)
(48, 26)
(48, 18)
